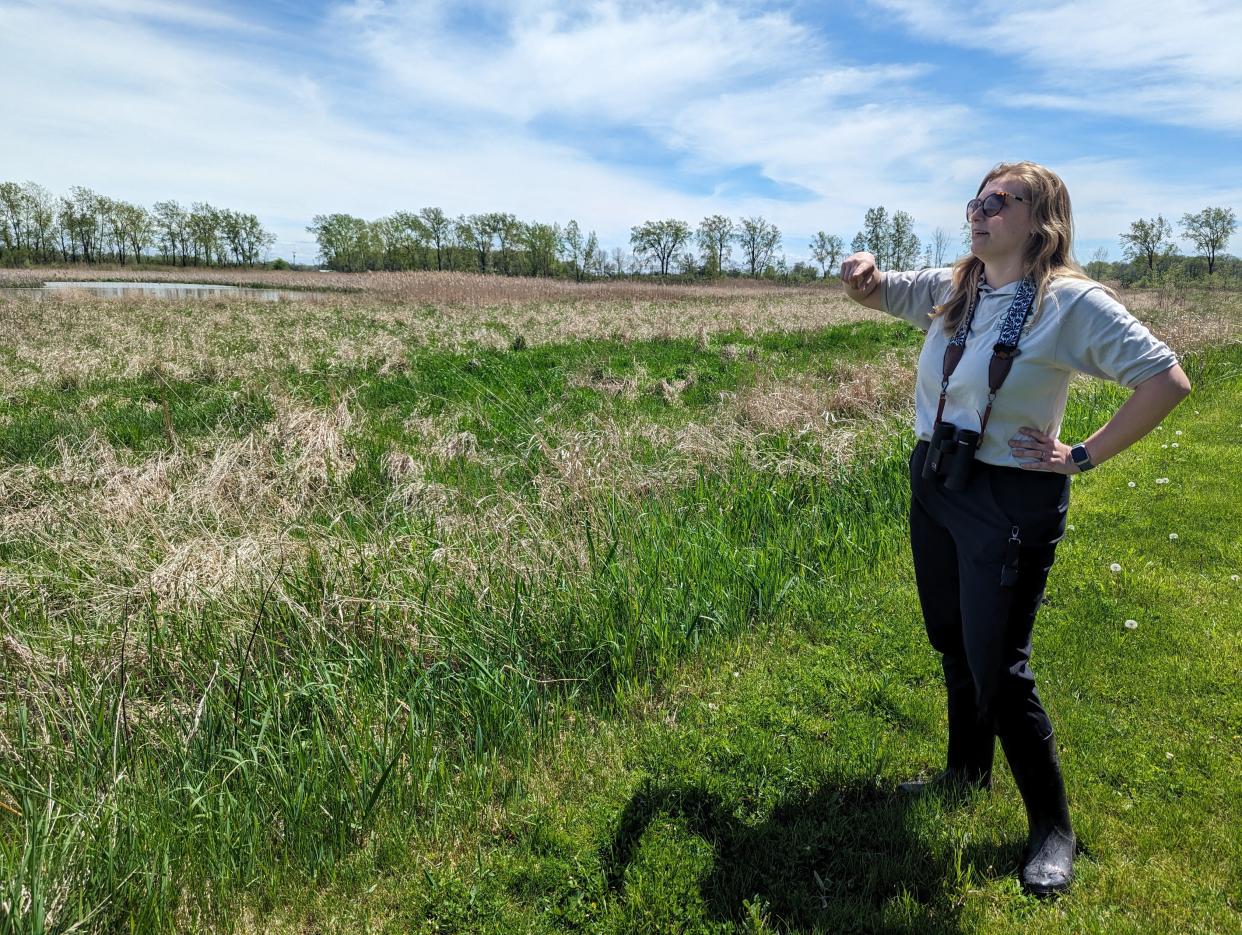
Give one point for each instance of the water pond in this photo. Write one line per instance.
(162, 290)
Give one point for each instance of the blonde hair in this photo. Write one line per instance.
(1049, 251)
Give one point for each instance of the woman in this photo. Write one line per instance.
(1006, 327)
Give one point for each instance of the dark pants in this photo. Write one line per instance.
(979, 625)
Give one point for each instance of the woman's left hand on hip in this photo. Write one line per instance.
(1035, 451)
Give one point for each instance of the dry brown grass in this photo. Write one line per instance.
(218, 513)
(67, 338)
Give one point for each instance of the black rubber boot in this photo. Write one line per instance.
(972, 745)
(1048, 863)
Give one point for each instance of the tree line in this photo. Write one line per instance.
(37, 226)
(1149, 241)
(83, 226)
(430, 239)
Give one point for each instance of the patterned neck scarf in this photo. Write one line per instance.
(1015, 319)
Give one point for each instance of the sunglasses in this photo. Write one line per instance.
(992, 204)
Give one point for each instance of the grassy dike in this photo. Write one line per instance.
(683, 711)
(750, 787)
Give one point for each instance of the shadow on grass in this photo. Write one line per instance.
(839, 859)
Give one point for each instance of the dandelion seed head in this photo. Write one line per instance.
(1176, 445)
(1114, 568)
(1164, 446)
(1131, 624)
(1131, 484)
(1172, 537)
(1178, 432)
(1162, 480)
(1233, 577)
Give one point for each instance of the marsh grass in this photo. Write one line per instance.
(272, 601)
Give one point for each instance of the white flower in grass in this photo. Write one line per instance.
(1172, 537)
(1070, 527)
(1131, 484)
(1233, 577)
(1131, 624)
(1178, 432)
(1176, 445)
(1168, 755)
(1162, 480)
(1114, 568)
(1164, 446)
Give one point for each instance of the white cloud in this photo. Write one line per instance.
(608, 60)
(1136, 57)
(125, 99)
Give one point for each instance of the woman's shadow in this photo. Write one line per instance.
(841, 858)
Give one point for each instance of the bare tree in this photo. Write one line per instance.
(939, 245)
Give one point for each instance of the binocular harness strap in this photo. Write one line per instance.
(1003, 353)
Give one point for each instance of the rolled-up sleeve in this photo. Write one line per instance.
(911, 295)
(1100, 337)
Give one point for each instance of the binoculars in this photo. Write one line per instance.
(949, 455)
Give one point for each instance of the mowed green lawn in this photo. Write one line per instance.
(751, 788)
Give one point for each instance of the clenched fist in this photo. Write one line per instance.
(860, 274)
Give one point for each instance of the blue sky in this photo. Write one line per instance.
(612, 113)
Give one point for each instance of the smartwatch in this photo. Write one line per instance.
(1081, 458)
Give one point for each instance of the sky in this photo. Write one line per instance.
(613, 113)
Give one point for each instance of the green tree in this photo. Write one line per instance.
(172, 224)
(826, 249)
(573, 248)
(13, 216)
(659, 241)
(542, 242)
(345, 241)
(878, 236)
(508, 235)
(79, 216)
(438, 229)
(759, 241)
(592, 256)
(714, 235)
(1148, 240)
(903, 245)
(1209, 231)
(42, 220)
